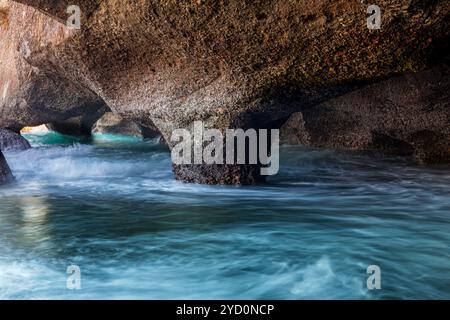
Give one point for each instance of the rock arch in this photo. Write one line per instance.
(229, 64)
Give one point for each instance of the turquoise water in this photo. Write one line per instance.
(111, 207)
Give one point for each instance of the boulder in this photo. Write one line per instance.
(5, 172)
(11, 141)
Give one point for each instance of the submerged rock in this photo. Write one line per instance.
(112, 123)
(11, 141)
(5, 172)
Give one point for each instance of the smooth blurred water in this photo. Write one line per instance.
(111, 207)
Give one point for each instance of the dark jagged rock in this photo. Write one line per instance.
(11, 141)
(219, 174)
(5, 172)
(229, 63)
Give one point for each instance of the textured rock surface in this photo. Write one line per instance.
(111, 123)
(228, 63)
(219, 174)
(5, 172)
(11, 141)
(408, 115)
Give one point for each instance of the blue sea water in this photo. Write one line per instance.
(112, 207)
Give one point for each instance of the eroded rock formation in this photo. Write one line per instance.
(229, 63)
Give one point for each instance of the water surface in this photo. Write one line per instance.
(112, 207)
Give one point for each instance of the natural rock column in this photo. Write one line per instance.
(245, 155)
(219, 174)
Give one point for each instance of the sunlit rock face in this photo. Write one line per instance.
(230, 64)
(42, 129)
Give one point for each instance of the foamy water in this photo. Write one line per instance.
(112, 207)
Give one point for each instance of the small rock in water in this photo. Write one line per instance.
(11, 141)
(5, 172)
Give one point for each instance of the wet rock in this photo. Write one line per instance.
(219, 174)
(111, 123)
(11, 141)
(5, 172)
